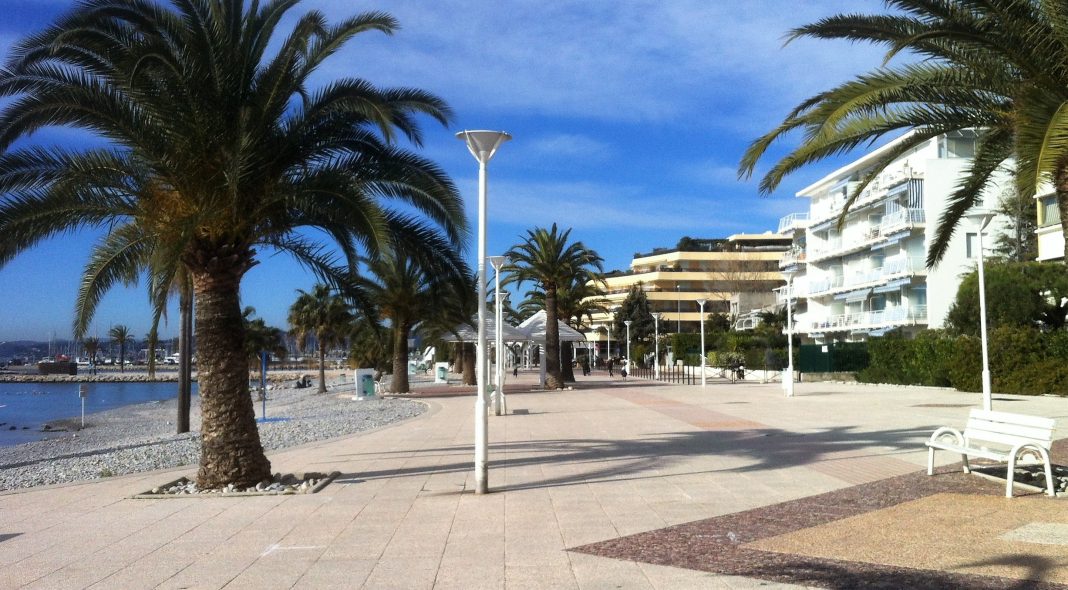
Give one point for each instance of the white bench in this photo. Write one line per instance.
(1013, 435)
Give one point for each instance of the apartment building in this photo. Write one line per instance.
(733, 275)
(867, 275)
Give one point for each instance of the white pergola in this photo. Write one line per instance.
(535, 325)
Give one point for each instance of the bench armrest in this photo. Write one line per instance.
(948, 431)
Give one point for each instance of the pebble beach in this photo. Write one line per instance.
(142, 437)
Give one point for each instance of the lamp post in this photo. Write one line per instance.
(788, 379)
(482, 145)
(498, 340)
(702, 302)
(656, 346)
(982, 218)
(627, 366)
(678, 310)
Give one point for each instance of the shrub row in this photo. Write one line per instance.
(1022, 361)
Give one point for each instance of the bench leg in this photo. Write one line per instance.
(967, 467)
(1010, 476)
(930, 460)
(1049, 481)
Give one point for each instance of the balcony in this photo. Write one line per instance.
(876, 191)
(860, 239)
(793, 222)
(868, 320)
(893, 268)
(792, 257)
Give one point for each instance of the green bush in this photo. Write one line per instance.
(966, 364)
(1047, 376)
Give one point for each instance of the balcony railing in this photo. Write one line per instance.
(791, 257)
(903, 219)
(875, 191)
(793, 221)
(892, 268)
(882, 318)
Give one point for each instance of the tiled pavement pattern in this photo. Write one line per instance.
(588, 468)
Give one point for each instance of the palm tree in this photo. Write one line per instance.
(999, 67)
(324, 315)
(120, 334)
(546, 259)
(218, 145)
(581, 296)
(407, 290)
(91, 346)
(261, 338)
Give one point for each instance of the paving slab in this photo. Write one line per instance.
(604, 463)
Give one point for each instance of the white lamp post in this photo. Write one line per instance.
(656, 346)
(982, 218)
(702, 302)
(482, 145)
(498, 340)
(627, 366)
(788, 379)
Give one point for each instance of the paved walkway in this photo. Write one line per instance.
(570, 468)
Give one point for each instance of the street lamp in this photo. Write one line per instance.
(627, 366)
(498, 333)
(482, 145)
(702, 302)
(982, 218)
(788, 379)
(656, 346)
(678, 310)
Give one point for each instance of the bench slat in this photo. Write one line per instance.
(1030, 432)
(1000, 438)
(971, 451)
(1022, 419)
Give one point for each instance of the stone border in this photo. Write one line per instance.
(324, 481)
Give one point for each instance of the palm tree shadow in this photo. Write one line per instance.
(607, 459)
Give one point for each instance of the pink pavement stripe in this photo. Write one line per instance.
(850, 469)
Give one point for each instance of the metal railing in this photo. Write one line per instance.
(871, 319)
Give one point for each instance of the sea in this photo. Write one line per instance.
(26, 407)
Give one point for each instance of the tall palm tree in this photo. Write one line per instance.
(407, 289)
(580, 297)
(217, 145)
(121, 335)
(997, 66)
(546, 259)
(323, 314)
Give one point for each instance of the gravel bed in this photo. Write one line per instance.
(141, 437)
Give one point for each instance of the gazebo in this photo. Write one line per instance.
(534, 326)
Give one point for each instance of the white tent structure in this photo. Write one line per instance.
(466, 333)
(534, 326)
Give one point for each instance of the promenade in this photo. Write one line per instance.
(612, 485)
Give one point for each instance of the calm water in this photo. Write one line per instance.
(28, 406)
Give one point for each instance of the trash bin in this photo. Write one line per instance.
(441, 372)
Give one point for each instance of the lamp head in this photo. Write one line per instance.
(981, 217)
(483, 144)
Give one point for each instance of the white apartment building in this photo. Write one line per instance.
(869, 275)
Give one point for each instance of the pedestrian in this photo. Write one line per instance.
(515, 371)
(610, 368)
(623, 372)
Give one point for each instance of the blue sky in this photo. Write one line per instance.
(628, 117)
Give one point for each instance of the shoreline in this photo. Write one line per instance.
(273, 377)
(140, 437)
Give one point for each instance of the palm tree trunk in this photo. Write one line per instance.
(468, 362)
(566, 358)
(185, 357)
(553, 377)
(400, 384)
(230, 443)
(322, 366)
(1061, 183)
(122, 356)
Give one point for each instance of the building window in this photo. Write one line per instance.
(1048, 212)
(972, 245)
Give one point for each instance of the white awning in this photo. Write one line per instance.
(534, 326)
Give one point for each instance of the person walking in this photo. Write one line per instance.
(610, 368)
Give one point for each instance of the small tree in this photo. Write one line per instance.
(636, 309)
(1018, 242)
(323, 314)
